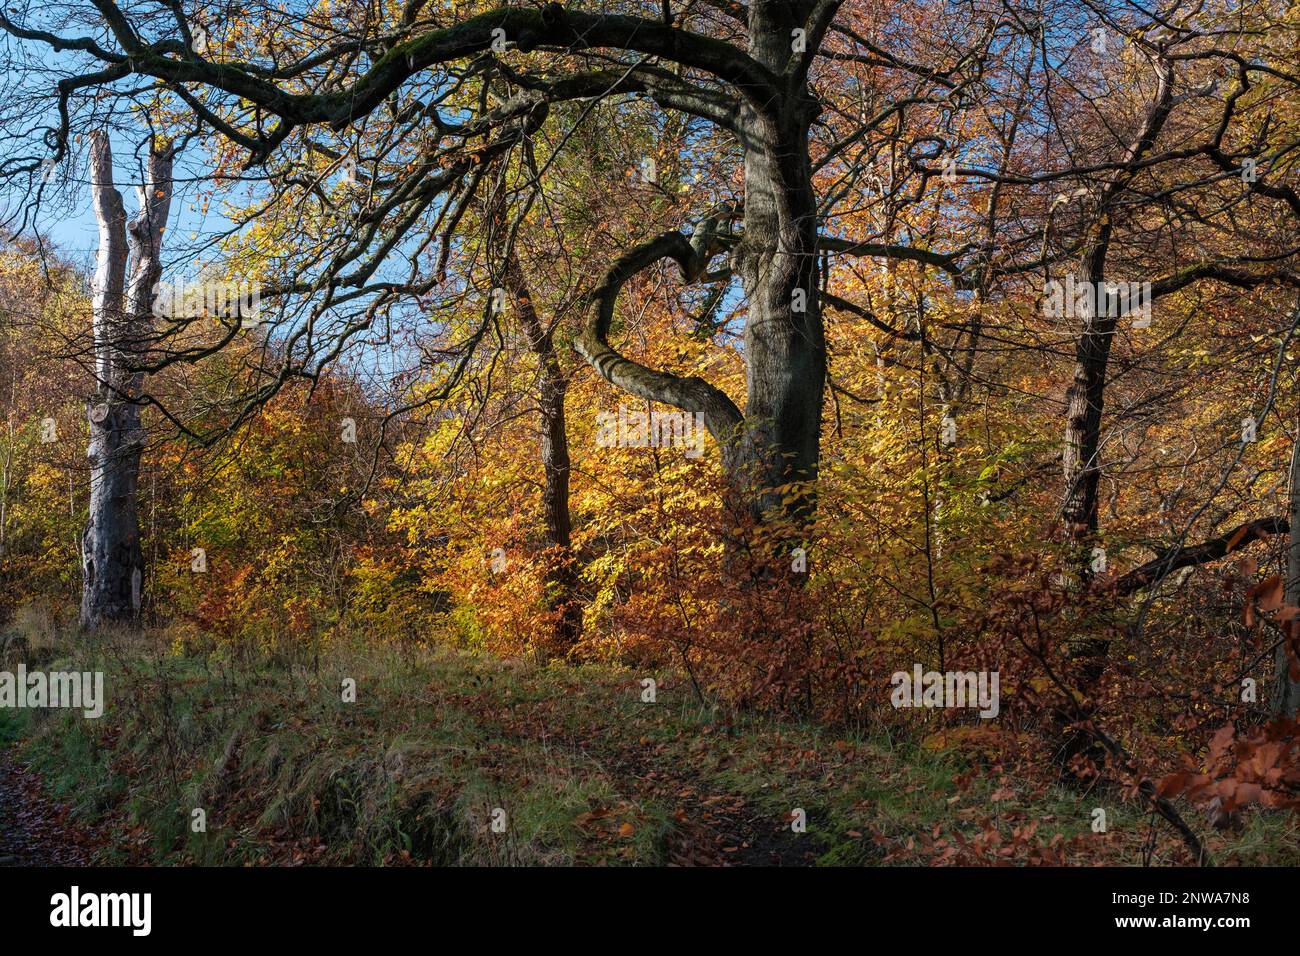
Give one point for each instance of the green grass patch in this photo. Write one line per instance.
(447, 758)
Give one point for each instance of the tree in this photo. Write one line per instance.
(1286, 694)
(761, 95)
(112, 560)
(851, 145)
(553, 445)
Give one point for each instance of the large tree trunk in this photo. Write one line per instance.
(1085, 402)
(113, 569)
(776, 441)
(785, 346)
(785, 349)
(110, 545)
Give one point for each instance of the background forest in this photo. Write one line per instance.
(478, 447)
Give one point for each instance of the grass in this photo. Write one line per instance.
(437, 742)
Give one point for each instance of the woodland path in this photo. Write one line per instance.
(35, 829)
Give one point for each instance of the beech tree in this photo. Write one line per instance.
(751, 79)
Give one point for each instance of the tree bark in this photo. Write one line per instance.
(1286, 693)
(113, 563)
(1086, 399)
(776, 441)
(785, 345)
(562, 581)
(785, 348)
(1087, 393)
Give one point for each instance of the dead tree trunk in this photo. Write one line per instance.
(113, 568)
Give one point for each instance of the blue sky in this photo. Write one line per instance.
(69, 222)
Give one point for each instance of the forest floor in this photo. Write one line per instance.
(35, 829)
(446, 757)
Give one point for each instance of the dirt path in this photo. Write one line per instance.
(35, 830)
(715, 827)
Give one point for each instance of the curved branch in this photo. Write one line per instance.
(528, 29)
(1178, 558)
(848, 247)
(844, 305)
(1224, 273)
(659, 85)
(691, 394)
